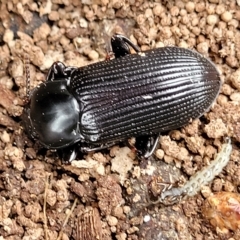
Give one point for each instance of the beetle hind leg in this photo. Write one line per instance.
(146, 145)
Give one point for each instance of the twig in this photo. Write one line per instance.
(47, 180)
(67, 218)
(27, 76)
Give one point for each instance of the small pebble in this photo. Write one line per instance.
(5, 137)
(8, 36)
(158, 9)
(190, 6)
(212, 19)
(235, 97)
(126, 209)
(227, 90)
(121, 236)
(53, 16)
(83, 23)
(206, 191)
(112, 221)
(222, 99)
(226, 16)
(136, 198)
(160, 154)
(203, 48)
(93, 55)
(235, 79)
(146, 218)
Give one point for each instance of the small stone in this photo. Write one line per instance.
(160, 154)
(235, 96)
(158, 9)
(118, 212)
(51, 197)
(226, 16)
(227, 90)
(83, 23)
(132, 230)
(217, 185)
(112, 221)
(203, 48)
(93, 55)
(136, 198)
(232, 61)
(190, 6)
(146, 218)
(5, 137)
(121, 236)
(126, 209)
(200, 7)
(53, 16)
(8, 36)
(222, 99)
(212, 19)
(174, 11)
(235, 79)
(206, 191)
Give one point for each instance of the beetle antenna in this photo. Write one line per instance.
(27, 76)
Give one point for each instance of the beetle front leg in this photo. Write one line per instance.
(59, 71)
(121, 45)
(68, 154)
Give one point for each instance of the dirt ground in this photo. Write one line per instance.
(105, 194)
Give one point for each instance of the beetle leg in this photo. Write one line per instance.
(68, 154)
(120, 45)
(97, 148)
(146, 145)
(59, 71)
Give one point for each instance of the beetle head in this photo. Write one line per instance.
(52, 115)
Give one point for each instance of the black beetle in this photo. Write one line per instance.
(133, 95)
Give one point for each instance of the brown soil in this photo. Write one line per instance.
(105, 195)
